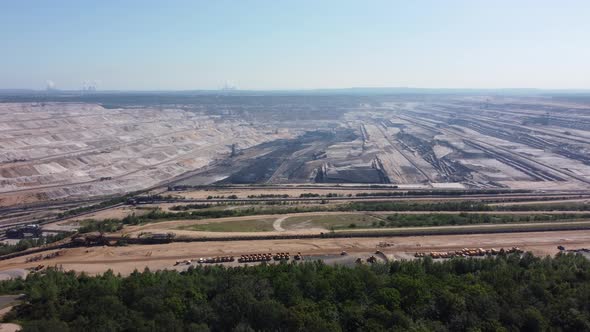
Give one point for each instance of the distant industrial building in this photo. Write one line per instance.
(24, 232)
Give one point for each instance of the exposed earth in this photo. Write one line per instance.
(62, 150)
(163, 256)
(66, 163)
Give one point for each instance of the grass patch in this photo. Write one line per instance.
(336, 221)
(251, 225)
(352, 221)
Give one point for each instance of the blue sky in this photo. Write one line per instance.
(275, 44)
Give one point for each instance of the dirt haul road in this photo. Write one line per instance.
(126, 259)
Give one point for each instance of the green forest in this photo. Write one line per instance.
(504, 293)
(435, 219)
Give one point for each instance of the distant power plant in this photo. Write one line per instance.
(50, 85)
(229, 86)
(89, 86)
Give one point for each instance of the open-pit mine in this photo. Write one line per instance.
(52, 149)
(125, 181)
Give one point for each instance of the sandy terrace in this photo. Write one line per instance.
(163, 256)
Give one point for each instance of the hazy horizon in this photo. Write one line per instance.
(369, 89)
(304, 45)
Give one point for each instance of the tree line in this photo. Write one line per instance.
(504, 293)
(434, 219)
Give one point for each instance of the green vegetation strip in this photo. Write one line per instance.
(413, 220)
(111, 225)
(468, 229)
(563, 206)
(504, 293)
(254, 225)
(351, 221)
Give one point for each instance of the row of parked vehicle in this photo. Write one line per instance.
(468, 252)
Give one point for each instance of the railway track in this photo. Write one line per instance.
(482, 197)
(514, 155)
(50, 205)
(475, 197)
(403, 154)
(5, 227)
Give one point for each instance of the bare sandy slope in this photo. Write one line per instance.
(61, 150)
(9, 327)
(163, 256)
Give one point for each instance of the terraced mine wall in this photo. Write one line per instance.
(277, 165)
(76, 147)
